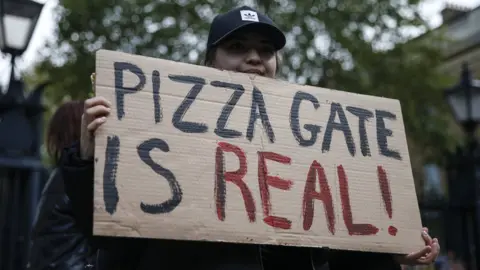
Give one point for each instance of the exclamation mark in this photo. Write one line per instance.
(386, 196)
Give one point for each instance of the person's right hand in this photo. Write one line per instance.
(425, 256)
(95, 113)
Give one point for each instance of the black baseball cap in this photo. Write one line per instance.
(244, 18)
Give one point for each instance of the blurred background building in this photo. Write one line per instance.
(449, 201)
(462, 25)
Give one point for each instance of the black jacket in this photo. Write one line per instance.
(140, 254)
(57, 242)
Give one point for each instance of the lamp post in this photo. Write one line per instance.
(464, 100)
(18, 21)
(20, 125)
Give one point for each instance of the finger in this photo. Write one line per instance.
(92, 80)
(96, 111)
(95, 124)
(432, 256)
(417, 255)
(425, 229)
(435, 248)
(426, 260)
(94, 101)
(426, 237)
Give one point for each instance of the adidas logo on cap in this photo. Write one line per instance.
(248, 15)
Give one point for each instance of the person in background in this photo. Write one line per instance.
(57, 242)
(241, 40)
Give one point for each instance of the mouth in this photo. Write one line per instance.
(254, 71)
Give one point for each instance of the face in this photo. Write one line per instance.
(247, 53)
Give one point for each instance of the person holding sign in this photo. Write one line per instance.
(241, 40)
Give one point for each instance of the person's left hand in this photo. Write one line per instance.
(425, 256)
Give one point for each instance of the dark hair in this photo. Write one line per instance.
(209, 56)
(64, 128)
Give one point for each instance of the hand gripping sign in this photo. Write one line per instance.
(200, 154)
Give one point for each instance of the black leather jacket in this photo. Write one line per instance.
(57, 242)
(140, 254)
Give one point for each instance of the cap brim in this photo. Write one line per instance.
(269, 31)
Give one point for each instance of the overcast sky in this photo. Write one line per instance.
(45, 26)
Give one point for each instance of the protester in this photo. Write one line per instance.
(57, 242)
(241, 40)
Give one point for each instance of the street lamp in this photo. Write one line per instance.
(21, 128)
(464, 185)
(18, 19)
(464, 100)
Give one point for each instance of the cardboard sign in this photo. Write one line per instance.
(196, 153)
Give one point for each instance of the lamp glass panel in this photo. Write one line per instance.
(16, 31)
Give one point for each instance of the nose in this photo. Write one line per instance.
(253, 57)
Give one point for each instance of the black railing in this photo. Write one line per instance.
(21, 171)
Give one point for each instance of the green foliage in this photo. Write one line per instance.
(350, 45)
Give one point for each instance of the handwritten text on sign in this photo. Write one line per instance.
(195, 153)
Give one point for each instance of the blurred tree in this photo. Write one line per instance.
(357, 46)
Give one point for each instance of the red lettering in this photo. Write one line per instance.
(324, 195)
(266, 180)
(385, 190)
(235, 177)
(386, 196)
(353, 229)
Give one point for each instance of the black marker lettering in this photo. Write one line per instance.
(295, 123)
(188, 127)
(336, 109)
(156, 96)
(222, 120)
(258, 102)
(169, 205)
(383, 133)
(120, 89)
(363, 116)
(110, 192)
